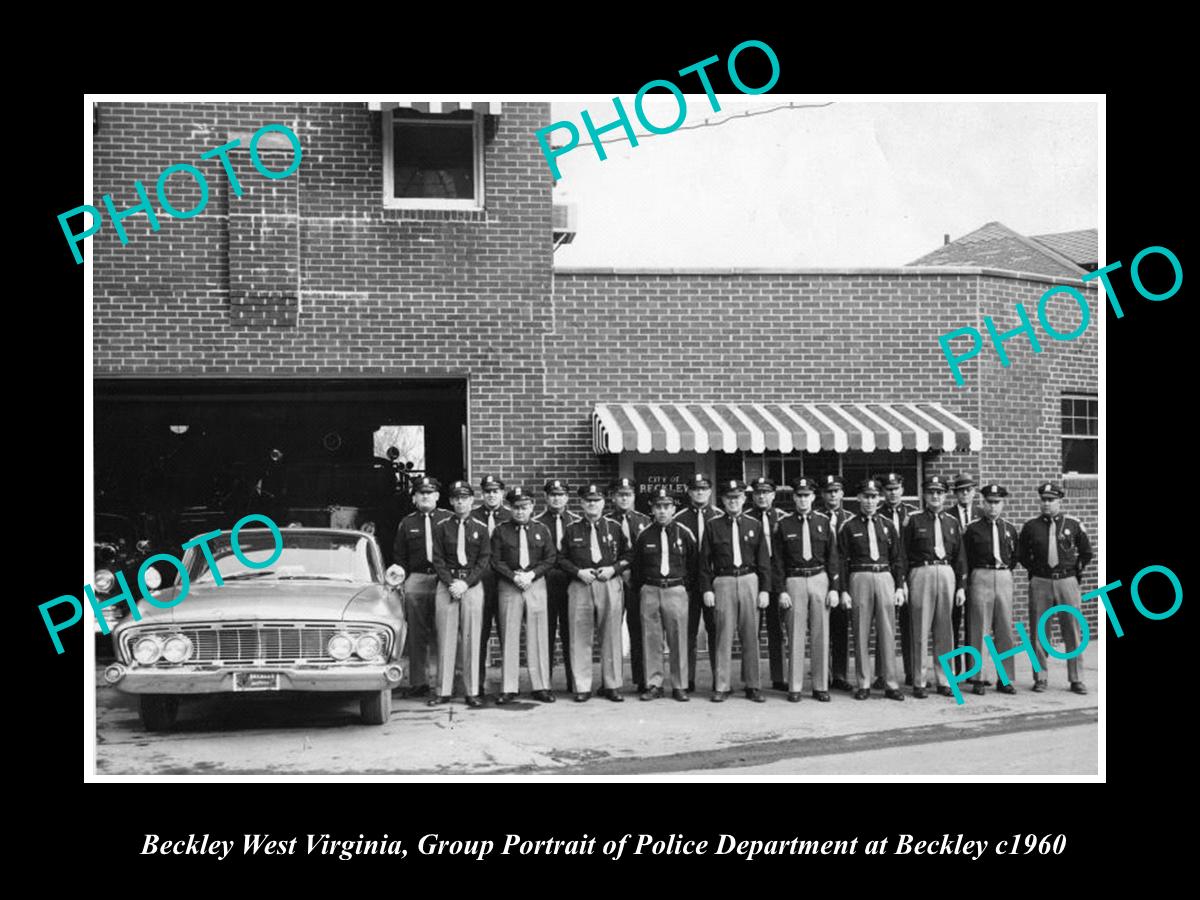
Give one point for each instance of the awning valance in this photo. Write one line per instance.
(438, 106)
(781, 427)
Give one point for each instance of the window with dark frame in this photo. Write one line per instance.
(433, 160)
(853, 467)
(1080, 434)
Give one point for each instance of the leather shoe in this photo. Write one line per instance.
(437, 701)
(893, 694)
(582, 698)
(821, 696)
(756, 695)
(919, 693)
(679, 695)
(862, 693)
(422, 691)
(878, 683)
(841, 684)
(793, 696)
(978, 689)
(779, 685)
(615, 696)
(1039, 687)
(651, 693)
(504, 698)
(473, 701)
(944, 691)
(1006, 689)
(544, 696)
(1078, 687)
(719, 696)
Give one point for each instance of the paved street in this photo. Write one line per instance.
(1054, 733)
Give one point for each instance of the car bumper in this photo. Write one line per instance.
(220, 679)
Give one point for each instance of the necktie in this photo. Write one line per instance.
(766, 520)
(558, 533)
(625, 528)
(462, 542)
(939, 546)
(873, 539)
(963, 517)
(491, 521)
(522, 548)
(428, 539)
(664, 565)
(805, 539)
(1052, 548)
(737, 543)
(996, 542)
(595, 545)
(896, 519)
(699, 524)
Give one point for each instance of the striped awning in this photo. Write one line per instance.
(781, 427)
(438, 106)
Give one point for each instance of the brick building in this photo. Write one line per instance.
(404, 275)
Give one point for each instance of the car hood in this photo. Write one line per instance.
(270, 600)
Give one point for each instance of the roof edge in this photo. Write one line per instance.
(923, 271)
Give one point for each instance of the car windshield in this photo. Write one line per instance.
(306, 556)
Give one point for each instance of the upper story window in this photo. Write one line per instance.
(1080, 434)
(432, 161)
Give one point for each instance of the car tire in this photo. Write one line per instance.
(159, 711)
(376, 707)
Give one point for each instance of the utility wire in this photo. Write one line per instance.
(713, 124)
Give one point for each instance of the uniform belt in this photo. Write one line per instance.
(935, 562)
(1056, 576)
(866, 568)
(744, 570)
(993, 567)
(461, 574)
(663, 582)
(805, 573)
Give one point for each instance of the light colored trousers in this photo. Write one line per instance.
(530, 604)
(665, 610)
(419, 594)
(809, 610)
(737, 609)
(591, 606)
(931, 593)
(872, 595)
(452, 615)
(991, 600)
(1043, 594)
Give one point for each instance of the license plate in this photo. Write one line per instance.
(256, 681)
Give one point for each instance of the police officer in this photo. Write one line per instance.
(806, 566)
(522, 554)
(964, 510)
(764, 511)
(696, 518)
(462, 551)
(491, 512)
(664, 558)
(839, 617)
(872, 586)
(556, 518)
(991, 546)
(1055, 550)
(937, 571)
(595, 556)
(413, 555)
(631, 523)
(735, 578)
(895, 509)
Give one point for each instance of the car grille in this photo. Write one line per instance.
(250, 643)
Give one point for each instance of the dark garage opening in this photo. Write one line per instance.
(191, 455)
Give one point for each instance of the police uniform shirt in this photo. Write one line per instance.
(979, 545)
(506, 549)
(549, 517)
(771, 515)
(409, 549)
(477, 548)
(638, 522)
(646, 556)
(854, 548)
(492, 517)
(837, 518)
(897, 515)
(577, 547)
(716, 551)
(1074, 548)
(920, 543)
(789, 550)
(691, 519)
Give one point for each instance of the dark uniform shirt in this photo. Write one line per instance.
(547, 518)
(716, 552)
(577, 547)
(506, 549)
(836, 519)
(492, 517)
(691, 519)
(920, 543)
(789, 549)
(646, 555)
(1074, 548)
(854, 548)
(772, 518)
(897, 515)
(409, 550)
(638, 522)
(978, 541)
(476, 544)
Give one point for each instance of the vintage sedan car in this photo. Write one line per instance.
(321, 617)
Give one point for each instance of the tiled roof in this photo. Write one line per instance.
(997, 246)
(1081, 247)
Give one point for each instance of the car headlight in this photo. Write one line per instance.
(369, 646)
(147, 650)
(176, 648)
(340, 646)
(104, 581)
(153, 579)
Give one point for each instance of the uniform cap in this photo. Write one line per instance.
(893, 480)
(461, 489)
(624, 484)
(994, 492)
(802, 485)
(935, 483)
(556, 486)
(831, 483)
(517, 495)
(489, 482)
(426, 484)
(661, 494)
(762, 483)
(699, 480)
(868, 486)
(1051, 489)
(591, 492)
(732, 486)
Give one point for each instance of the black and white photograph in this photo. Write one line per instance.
(693, 436)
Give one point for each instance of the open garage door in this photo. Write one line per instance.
(196, 454)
